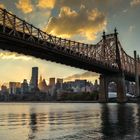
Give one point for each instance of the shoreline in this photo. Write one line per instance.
(68, 102)
(50, 102)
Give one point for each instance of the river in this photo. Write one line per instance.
(69, 121)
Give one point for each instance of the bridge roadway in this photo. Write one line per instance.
(15, 39)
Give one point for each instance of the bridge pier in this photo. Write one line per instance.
(121, 90)
(137, 92)
(103, 92)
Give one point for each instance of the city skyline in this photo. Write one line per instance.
(104, 16)
(82, 76)
(54, 89)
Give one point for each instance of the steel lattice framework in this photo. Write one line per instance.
(107, 54)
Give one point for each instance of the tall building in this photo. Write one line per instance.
(51, 81)
(34, 79)
(59, 83)
(42, 85)
(59, 80)
(24, 86)
(3, 89)
(14, 87)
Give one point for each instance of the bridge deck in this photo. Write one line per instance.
(105, 57)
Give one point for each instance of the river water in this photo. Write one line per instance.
(69, 121)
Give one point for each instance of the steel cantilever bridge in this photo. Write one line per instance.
(107, 57)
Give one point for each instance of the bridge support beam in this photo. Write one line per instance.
(104, 83)
(103, 92)
(121, 90)
(137, 91)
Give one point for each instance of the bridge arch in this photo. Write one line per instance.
(105, 80)
(112, 90)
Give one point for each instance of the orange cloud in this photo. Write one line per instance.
(69, 23)
(12, 55)
(46, 4)
(135, 2)
(2, 5)
(86, 75)
(25, 5)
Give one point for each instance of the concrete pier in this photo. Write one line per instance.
(121, 91)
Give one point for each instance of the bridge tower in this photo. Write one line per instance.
(118, 78)
(137, 92)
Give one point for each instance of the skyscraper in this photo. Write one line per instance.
(4, 89)
(14, 87)
(59, 83)
(59, 80)
(51, 81)
(34, 79)
(24, 86)
(42, 85)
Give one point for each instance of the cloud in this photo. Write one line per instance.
(25, 5)
(88, 4)
(39, 17)
(132, 28)
(70, 3)
(2, 5)
(46, 4)
(85, 75)
(69, 23)
(12, 55)
(135, 2)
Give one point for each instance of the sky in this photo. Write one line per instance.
(80, 20)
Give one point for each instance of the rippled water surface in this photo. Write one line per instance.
(69, 121)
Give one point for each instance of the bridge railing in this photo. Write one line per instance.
(128, 62)
(16, 27)
(104, 52)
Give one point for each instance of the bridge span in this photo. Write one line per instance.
(107, 57)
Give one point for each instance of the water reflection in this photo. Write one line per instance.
(69, 121)
(33, 125)
(118, 121)
(37, 121)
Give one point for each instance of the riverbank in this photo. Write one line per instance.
(66, 102)
(50, 102)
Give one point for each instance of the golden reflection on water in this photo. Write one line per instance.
(52, 121)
